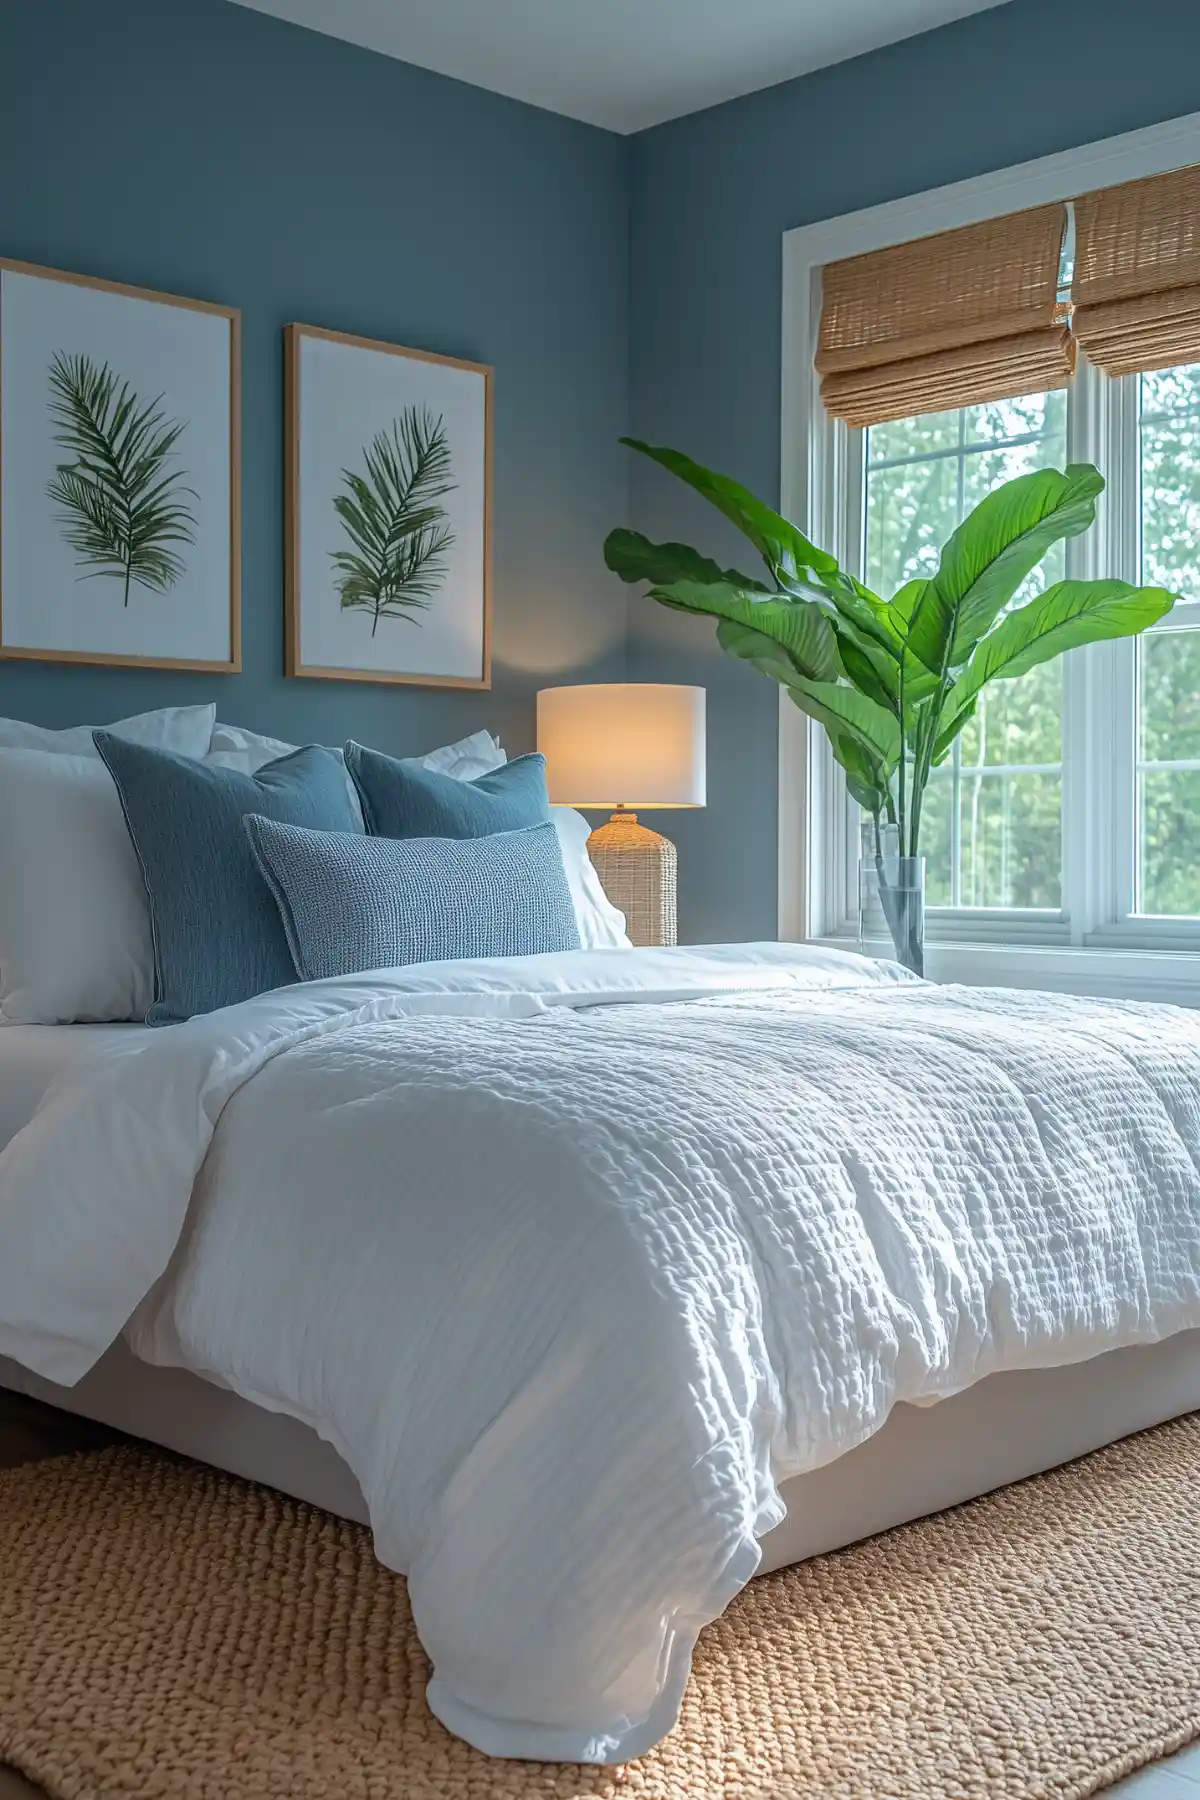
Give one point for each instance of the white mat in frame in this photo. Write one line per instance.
(389, 502)
(120, 474)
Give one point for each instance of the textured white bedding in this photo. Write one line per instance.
(574, 1259)
(31, 1056)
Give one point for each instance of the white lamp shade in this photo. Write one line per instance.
(619, 743)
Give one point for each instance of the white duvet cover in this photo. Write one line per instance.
(575, 1258)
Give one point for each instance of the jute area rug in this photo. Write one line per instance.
(168, 1633)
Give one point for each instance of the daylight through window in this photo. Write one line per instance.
(993, 816)
(1030, 777)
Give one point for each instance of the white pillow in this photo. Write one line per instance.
(185, 729)
(230, 747)
(472, 756)
(75, 940)
(601, 926)
(233, 747)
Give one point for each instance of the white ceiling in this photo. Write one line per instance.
(625, 64)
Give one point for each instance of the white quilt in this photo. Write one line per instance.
(575, 1258)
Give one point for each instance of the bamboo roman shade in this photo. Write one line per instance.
(948, 321)
(1137, 273)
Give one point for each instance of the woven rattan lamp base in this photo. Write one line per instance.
(637, 870)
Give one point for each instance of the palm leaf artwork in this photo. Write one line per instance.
(122, 506)
(393, 518)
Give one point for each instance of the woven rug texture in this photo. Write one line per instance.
(170, 1633)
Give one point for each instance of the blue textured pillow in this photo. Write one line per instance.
(349, 904)
(217, 936)
(401, 799)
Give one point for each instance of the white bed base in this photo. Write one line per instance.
(924, 1458)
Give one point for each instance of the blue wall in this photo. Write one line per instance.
(712, 196)
(195, 146)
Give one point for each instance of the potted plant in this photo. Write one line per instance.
(894, 681)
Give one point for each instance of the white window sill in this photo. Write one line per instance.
(1160, 975)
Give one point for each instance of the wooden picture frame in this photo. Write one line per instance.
(201, 557)
(363, 383)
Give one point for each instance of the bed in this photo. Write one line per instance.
(923, 1460)
(232, 1189)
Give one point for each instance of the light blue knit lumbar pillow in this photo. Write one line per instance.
(354, 903)
(217, 936)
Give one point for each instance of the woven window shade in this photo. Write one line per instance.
(1137, 273)
(947, 321)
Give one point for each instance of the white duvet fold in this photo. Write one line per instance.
(575, 1258)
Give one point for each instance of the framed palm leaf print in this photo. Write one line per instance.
(120, 477)
(388, 536)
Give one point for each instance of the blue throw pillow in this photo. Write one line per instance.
(349, 904)
(401, 799)
(217, 935)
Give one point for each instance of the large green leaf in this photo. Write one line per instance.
(755, 647)
(898, 613)
(952, 724)
(871, 669)
(843, 594)
(877, 672)
(844, 711)
(634, 558)
(897, 617)
(776, 539)
(866, 777)
(991, 553)
(1067, 615)
(799, 626)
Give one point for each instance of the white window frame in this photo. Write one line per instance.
(1098, 944)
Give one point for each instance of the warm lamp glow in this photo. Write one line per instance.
(638, 744)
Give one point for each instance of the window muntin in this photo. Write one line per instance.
(992, 827)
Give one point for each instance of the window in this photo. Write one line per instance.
(1101, 748)
(1064, 847)
(993, 813)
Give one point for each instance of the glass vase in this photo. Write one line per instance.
(891, 899)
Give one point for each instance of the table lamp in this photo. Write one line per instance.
(632, 746)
